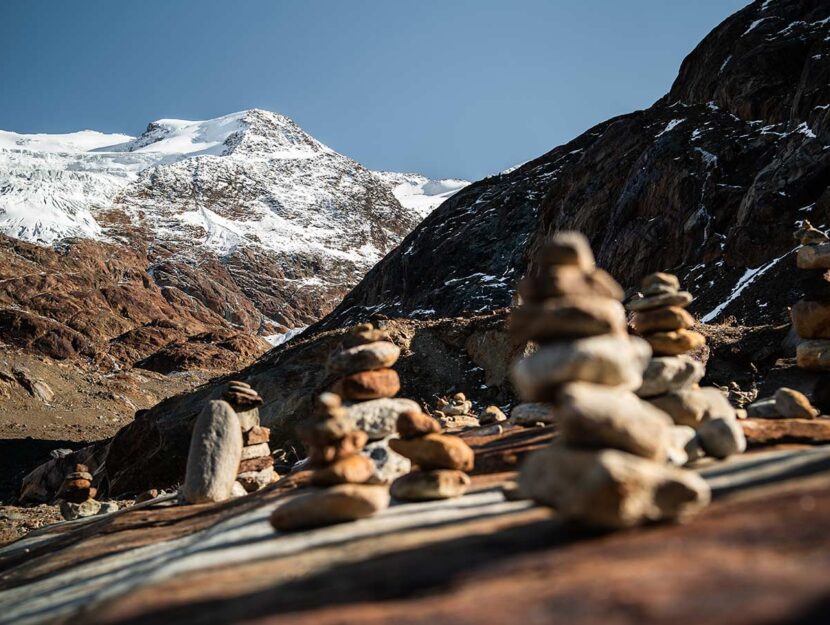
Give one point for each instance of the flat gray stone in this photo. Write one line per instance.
(378, 417)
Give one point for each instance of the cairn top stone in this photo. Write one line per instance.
(660, 278)
(241, 395)
(364, 333)
(568, 248)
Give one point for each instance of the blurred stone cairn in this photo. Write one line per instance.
(229, 454)
(609, 465)
(705, 421)
(338, 468)
(442, 460)
(811, 316)
(77, 495)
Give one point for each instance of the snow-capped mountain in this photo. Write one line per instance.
(289, 222)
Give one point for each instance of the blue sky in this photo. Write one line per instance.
(459, 88)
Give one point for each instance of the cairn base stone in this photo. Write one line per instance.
(338, 504)
(609, 488)
(430, 485)
(215, 452)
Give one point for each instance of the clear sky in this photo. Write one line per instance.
(459, 88)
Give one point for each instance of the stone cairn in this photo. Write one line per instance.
(608, 466)
(333, 444)
(77, 494)
(705, 421)
(368, 385)
(455, 412)
(811, 316)
(256, 465)
(442, 460)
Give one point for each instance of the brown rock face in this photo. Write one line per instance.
(369, 385)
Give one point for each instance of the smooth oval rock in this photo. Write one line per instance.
(601, 416)
(610, 360)
(557, 281)
(567, 317)
(813, 354)
(379, 417)
(369, 385)
(436, 451)
(722, 437)
(430, 485)
(414, 423)
(675, 343)
(681, 299)
(337, 504)
(567, 247)
(377, 355)
(662, 320)
(491, 414)
(813, 257)
(611, 488)
(794, 404)
(811, 320)
(664, 374)
(694, 406)
(352, 470)
(214, 455)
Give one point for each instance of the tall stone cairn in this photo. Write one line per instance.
(442, 460)
(705, 421)
(333, 444)
(608, 466)
(367, 383)
(811, 315)
(256, 464)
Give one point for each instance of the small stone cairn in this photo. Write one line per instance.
(442, 460)
(333, 444)
(455, 412)
(608, 466)
(256, 465)
(705, 421)
(811, 315)
(368, 385)
(77, 495)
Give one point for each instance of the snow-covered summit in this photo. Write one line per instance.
(420, 193)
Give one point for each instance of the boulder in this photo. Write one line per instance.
(811, 320)
(600, 416)
(722, 437)
(338, 504)
(668, 373)
(436, 451)
(610, 360)
(813, 354)
(793, 404)
(214, 456)
(430, 485)
(379, 417)
(611, 488)
(694, 406)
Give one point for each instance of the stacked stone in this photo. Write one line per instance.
(456, 412)
(442, 460)
(77, 494)
(705, 421)
(256, 464)
(608, 466)
(811, 315)
(333, 445)
(661, 319)
(368, 385)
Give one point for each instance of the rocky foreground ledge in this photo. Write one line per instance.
(759, 553)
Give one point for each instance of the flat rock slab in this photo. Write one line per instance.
(223, 561)
(771, 431)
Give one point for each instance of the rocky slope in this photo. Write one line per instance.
(247, 214)
(709, 183)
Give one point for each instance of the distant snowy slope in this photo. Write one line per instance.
(418, 192)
